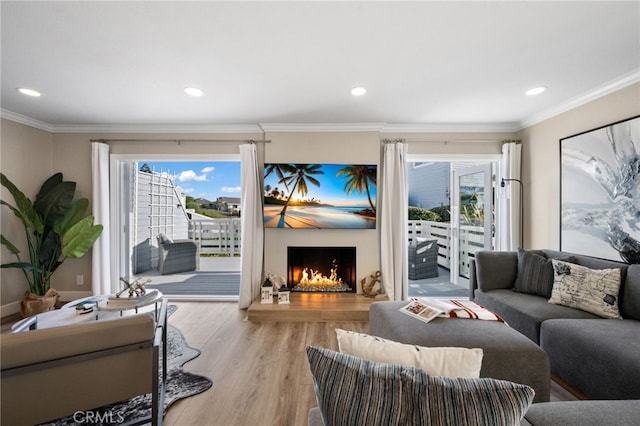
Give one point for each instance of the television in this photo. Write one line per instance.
(320, 196)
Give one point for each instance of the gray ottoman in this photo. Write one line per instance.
(508, 355)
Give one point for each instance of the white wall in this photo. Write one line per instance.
(541, 159)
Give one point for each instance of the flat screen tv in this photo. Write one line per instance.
(320, 196)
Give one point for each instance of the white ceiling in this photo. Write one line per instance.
(449, 64)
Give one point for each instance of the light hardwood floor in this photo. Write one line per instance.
(259, 369)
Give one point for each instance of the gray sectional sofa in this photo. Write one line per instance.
(599, 357)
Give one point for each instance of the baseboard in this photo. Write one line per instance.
(10, 310)
(13, 308)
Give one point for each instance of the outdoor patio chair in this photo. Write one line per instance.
(176, 256)
(423, 259)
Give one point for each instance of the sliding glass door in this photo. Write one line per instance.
(472, 221)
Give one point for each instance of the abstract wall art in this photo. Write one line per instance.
(600, 192)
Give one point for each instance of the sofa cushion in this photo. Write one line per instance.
(591, 290)
(448, 361)
(525, 312)
(495, 269)
(585, 413)
(629, 303)
(355, 391)
(535, 274)
(598, 357)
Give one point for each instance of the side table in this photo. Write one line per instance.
(67, 314)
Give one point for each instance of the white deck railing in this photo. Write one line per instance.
(222, 236)
(216, 236)
(471, 240)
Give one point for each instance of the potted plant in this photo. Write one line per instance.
(56, 228)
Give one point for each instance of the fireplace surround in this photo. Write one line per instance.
(321, 269)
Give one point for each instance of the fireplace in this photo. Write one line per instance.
(321, 269)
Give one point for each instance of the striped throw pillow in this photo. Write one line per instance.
(354, 391)
(535, 274)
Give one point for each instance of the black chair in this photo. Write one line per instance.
(423, 260)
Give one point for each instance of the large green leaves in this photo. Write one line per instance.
(13, 249)
(54, 199)
(80, 237)
(23, 209)
(55, 229)
(73, 215)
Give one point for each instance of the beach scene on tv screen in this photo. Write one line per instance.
(319, 196)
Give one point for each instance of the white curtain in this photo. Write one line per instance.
(100, 264)
(393, 221)
(252, 244)
(508, 213)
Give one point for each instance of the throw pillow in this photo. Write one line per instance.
(354, 391)
(591, 290)
(449, 362)
(535, 274)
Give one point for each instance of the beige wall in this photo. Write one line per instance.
(331, 147)
(28, 156)
(72, 155)
(26, 159)
(541, 160)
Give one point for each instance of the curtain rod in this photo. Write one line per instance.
(448, 141)
(180, 140)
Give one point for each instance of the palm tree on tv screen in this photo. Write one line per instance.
(358, 179)
(299, 174)
(278, 169)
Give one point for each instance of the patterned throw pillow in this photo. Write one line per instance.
(535, 274)
(590, 290)
(448, 362)
(354, 391)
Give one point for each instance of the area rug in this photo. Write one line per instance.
(180, 384)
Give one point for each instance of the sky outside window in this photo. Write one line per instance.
(201, 179)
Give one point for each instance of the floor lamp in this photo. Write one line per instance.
(502, 183)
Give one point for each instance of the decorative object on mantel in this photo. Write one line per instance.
(266, 291)
(369, 286)
(277, 281)
(600, 192)
(283, 296)
(56, 228)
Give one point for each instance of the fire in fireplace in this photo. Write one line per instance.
(321, 269)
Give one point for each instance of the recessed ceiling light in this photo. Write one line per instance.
(358, 91)
(193, 91)
(29, 92)
(535, 91)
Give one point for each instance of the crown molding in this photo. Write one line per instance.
(130, 128)
(598, 92)
(450, 128)
(157, 128)
(322, 127)
(27, 121)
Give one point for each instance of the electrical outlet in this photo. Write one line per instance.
(79, 279)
